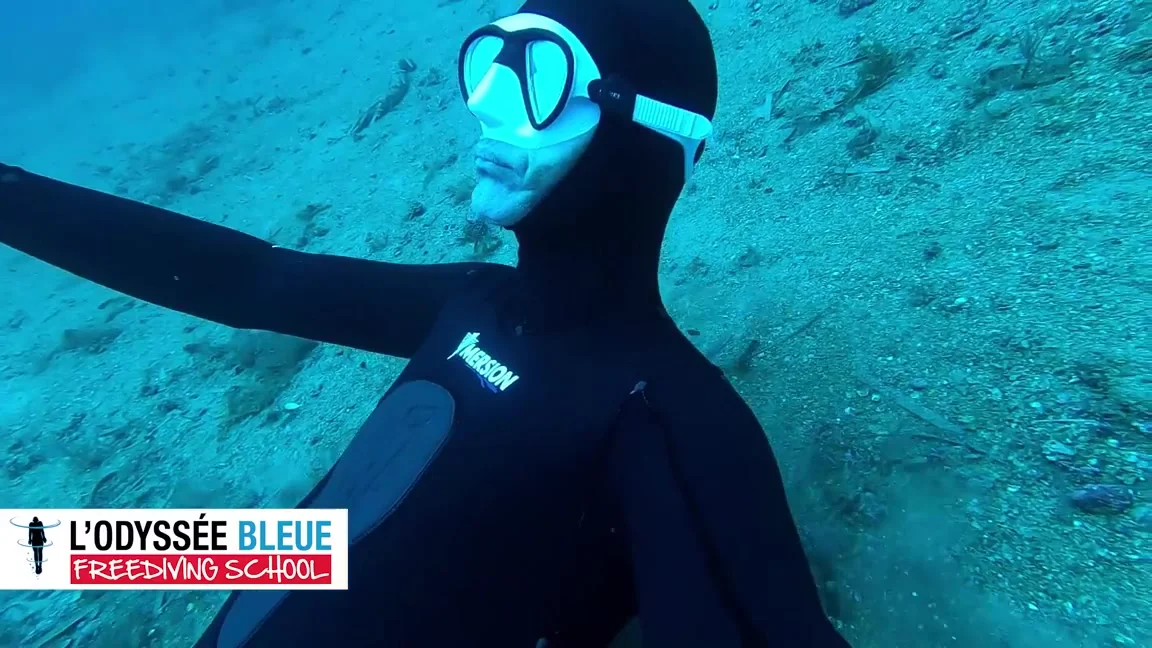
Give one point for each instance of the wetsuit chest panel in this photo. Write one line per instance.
(396, 445)
(380, 466)
(467, 491)
(550, 396)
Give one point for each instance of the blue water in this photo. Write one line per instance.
(920, 243)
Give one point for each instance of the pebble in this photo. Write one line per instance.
(918, 384)
(1075, 404)
(1055, 451)
(1142, 462)
(1086, 472)
(1142, 516)
(870, 508)
(1103, 499)
(999, 107)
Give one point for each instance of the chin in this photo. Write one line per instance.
(498, 217)
(494, 204)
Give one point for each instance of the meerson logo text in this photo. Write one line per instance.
(494, 375)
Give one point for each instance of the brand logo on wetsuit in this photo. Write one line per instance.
(492, 373)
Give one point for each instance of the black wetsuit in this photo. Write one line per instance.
(556, 458)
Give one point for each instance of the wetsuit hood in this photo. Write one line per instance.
(594, 241)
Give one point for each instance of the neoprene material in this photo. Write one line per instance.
(381, 465)
(598, 467)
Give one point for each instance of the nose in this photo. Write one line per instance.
(494, 101)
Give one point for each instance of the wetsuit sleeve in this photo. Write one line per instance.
(220, 274)
(717, 558)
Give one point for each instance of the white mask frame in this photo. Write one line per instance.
(532, 83)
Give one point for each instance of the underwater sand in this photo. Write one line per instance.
(920, 242)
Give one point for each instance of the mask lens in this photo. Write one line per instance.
(479, 59)
(547, 68)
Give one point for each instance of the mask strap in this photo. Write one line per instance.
(686, 127)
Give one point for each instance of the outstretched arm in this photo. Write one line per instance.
(223, 275)
(716, 555)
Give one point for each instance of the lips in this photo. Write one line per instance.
(486, 157)
(492, 160)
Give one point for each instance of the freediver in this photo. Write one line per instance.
(575, 462)
(37, 539)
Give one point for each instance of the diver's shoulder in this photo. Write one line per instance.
(480, 277)
(680, 378)
(483, 271)
(670, 346)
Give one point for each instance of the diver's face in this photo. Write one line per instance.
(532, 133)
(511, 180)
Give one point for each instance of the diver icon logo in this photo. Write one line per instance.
(494, 375)
(37, 540)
